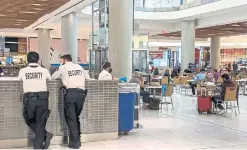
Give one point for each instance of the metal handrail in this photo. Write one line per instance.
(192, 4)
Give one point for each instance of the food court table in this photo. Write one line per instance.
(154, 88)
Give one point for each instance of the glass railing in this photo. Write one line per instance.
(197, 3)
(172, 7)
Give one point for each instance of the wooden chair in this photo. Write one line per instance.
(177, 83)
(184, 85)
(164, 95)
(230, 100)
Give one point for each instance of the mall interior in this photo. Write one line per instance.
(189, 58)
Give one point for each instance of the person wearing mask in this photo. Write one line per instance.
(167, 74)
(35, 100)
(105, 73)
(198, 78)
(73, 78)
(227, 82)
(1, 69)
(137, 78)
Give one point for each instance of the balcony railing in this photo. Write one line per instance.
(191, 4)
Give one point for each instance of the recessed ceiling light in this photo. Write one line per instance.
(35, 5)
(38, 9)
(1, 15)
(29, 12)
(21, 20)
(235, 25)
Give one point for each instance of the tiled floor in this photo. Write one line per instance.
(182, 128)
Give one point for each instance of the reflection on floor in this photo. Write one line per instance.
(182, 128)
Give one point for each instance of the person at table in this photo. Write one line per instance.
(216, 75)
(137, 78)
(105, 73)
(198, 78)
(217, 99)
(156, 75)
(1, 69)
(209, 78)
(188, 70)
(174, 73)
(167, 74)
(243, 74)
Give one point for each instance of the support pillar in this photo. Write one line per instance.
(69, 35)
(120, 37)
(187, 44)
(44, 47)
(215, 52)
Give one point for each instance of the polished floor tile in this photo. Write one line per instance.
(181, 128)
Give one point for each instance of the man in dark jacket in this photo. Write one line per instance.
(218, 98)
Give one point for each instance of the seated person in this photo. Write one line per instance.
(167, 74)
(156, 75)
(216, 75)
(217, 98)
(198, 78)
(188, 71)
(243, 74)
(136, 78)
(209, 78)
(174, 73)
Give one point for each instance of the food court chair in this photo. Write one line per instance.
(185, 86)
(177, 83)
(231, 100)
(164, 92)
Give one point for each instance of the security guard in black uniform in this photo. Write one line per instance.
(35, 100)
(73, 77)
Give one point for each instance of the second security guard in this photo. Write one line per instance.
(73, 77)
(35, 100)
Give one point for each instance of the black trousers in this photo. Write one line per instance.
(217, 103)
(193, 86)
(73, 105)
(145, 96)
(36, 113)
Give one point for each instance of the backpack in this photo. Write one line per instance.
(154, 104)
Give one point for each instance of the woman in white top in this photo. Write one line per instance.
(105, 73)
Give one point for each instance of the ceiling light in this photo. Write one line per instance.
(20, 20)
(1, 15)
(38, 9)
(236, 25)
(35, 5)
(28, 12)
(17, 24)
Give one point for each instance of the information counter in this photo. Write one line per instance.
(99, 120)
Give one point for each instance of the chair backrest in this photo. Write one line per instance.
(176, 80)
(190, 77)
(220, 80)
(183, 80)
(169, 90)
(231, 94)
(165, 80)
(235, 78)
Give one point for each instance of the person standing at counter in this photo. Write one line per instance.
(105, 73)
(35, 100)
(73, 77)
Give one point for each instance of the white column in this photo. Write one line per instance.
(215, 52)
(69, 35)
(188, 44)
(120, 36)
(44, 47)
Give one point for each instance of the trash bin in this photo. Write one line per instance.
(127, 99)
